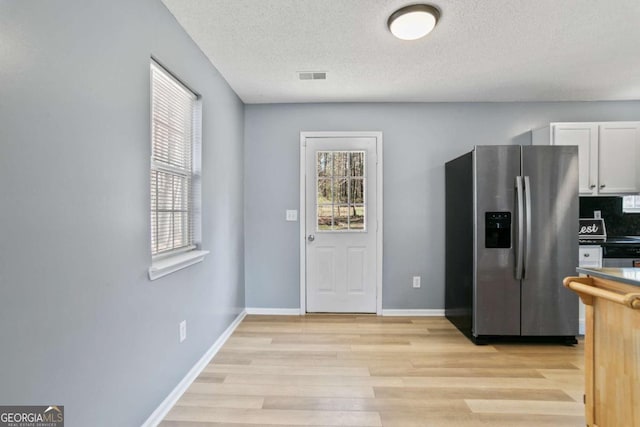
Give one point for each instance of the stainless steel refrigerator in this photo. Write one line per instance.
(511, 237)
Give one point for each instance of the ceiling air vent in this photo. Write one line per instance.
(312, 75)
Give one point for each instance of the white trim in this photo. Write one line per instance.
(582, 326)
(380, 223)
(303, 215)
(168, 265)
(303, 224)
(438, 312)
(274, 311)
(163, 409)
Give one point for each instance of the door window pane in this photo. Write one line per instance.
(324, 191)
(356, 217)
(340, 190)
(325, 164)
(325, 217)
(357, 164)
(340, 163)
(357, 190)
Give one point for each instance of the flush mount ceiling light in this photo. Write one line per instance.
(413, 22)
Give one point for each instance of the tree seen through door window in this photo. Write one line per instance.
(340, 187)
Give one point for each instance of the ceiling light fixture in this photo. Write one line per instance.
(413, 22)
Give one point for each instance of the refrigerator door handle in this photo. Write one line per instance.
(527, 204)
(520, 242)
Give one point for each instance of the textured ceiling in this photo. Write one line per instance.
(481, 50)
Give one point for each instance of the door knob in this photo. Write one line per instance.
(311, 238)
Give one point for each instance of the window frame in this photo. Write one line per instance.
(175, 259)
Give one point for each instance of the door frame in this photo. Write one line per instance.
(303, 203)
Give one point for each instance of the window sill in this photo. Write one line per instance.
(164, 266)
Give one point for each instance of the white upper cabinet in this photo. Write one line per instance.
(619, 158)
(585, 136)
(608, 154)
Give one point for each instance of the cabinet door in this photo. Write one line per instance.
(619, 157)
(585, 136)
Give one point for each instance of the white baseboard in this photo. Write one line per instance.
(273, 311)
(296, 312)
(425, 312)
(161, 411)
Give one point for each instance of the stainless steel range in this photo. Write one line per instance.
(621, 252)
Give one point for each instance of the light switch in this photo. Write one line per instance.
(292, 215)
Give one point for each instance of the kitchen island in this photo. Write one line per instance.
(612, 344)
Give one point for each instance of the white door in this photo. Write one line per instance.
(341, 224)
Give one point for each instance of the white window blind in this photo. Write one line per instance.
(174, 121)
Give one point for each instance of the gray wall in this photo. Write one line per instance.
(80, 323)
(418, 139)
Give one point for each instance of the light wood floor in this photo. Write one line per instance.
(347, 370)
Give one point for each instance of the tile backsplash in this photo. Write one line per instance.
(617, 222)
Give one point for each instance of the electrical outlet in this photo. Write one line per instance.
(416, 281)
(183, 330)
(597, 214)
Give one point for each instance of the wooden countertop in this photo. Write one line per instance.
(629, 276)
